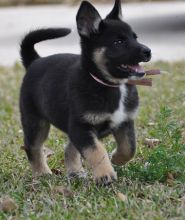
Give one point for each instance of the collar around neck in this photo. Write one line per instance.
(104, 83)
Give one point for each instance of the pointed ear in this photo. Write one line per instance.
(116, 12)
(88, 19)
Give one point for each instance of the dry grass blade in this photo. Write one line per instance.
(121, 197)
(151, 142)
(64, 191)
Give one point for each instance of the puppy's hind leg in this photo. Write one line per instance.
(73, 162)
(35, 133)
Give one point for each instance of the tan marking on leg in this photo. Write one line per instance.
(39, 158)
(39, 162)
(123, 153)
(73, 161)
(98, 160)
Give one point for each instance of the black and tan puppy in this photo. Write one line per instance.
(86, 96)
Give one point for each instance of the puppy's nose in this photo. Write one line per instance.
(146, 53)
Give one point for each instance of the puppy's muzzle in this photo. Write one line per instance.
(145, 53)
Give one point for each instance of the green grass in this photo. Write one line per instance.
(145, 180)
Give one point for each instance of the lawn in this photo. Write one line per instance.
(151, 186)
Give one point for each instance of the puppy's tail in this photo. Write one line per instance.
(27, 51)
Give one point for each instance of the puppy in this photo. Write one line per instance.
(86, 96)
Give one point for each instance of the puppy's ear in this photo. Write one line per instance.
(116, 12)
(88, 19)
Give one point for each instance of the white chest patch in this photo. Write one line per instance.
(120, 114)
(117, 117)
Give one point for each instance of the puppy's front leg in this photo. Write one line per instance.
(126, 145)
(94, 153)
(97, 158)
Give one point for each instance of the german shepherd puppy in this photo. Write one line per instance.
(86, 96)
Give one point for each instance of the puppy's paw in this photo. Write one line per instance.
(41, 171)
(118, 159)
(105, 175)
(106, 179)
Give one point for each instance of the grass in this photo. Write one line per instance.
(153, 183)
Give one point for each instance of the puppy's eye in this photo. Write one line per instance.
(120, 41)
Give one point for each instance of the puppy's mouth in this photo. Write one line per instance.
(134, 71)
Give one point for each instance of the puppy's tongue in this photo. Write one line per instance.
(137, 68)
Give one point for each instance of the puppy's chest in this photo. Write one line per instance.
(119, 115)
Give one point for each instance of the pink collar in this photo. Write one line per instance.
(103, 83)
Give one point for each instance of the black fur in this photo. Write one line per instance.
(28, 53)
(59, 90)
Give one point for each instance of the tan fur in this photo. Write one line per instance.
(39, 159)
(123, 153)
(100, 60)
(73, 161)
(98, 160)
(39, 162)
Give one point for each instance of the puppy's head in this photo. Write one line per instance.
(110, 43)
